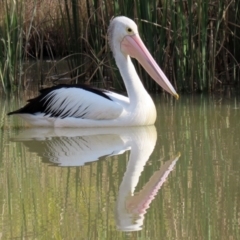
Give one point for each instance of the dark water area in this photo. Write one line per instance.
(178, 179)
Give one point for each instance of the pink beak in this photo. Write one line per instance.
(133, 46)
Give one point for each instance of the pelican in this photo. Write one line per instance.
(83, 106)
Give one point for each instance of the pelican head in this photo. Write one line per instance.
(124, 39)
(119, 28)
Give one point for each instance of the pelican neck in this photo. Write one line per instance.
(134, 86)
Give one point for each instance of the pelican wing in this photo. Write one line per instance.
(76, 101)
(118, 98)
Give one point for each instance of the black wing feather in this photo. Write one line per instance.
(40, 103)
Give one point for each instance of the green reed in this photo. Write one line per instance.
(10, 45)
(195, 42)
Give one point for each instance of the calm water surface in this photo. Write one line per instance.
(179, 179)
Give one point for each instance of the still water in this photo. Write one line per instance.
(179, 179)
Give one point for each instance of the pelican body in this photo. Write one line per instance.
(82, 106)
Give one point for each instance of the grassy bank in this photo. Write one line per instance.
(195, 42)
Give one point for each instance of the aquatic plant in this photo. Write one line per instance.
(10, 45)
(195, 42)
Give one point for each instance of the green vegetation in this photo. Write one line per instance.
(195, 42)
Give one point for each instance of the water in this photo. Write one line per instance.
(178, 179)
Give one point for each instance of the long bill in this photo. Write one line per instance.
(134, 46)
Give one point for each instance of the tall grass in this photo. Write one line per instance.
(195, 42)
(10, 44)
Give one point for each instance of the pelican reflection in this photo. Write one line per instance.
(131, 207)
(76, 147)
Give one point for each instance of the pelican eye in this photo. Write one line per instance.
(129, 30)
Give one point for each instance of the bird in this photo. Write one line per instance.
(84, 106)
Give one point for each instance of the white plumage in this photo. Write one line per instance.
(80, 103)
(81, 106)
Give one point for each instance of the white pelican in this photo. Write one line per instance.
(82, 106)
